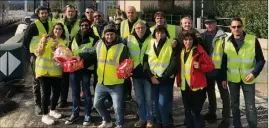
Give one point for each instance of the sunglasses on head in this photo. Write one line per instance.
(239, 26)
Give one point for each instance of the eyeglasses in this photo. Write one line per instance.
(239, 26)
(97, 16)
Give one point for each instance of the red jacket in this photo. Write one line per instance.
(198, 79)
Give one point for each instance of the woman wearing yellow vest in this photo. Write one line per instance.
(161, 65)
(82, 42)
(49, 73)
(194, 62)
(137, 44)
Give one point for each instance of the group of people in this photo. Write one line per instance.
(162, 54)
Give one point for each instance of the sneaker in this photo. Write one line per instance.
(55, 114)
(149, 124)
(119, 126)
(72, 119)
(211, 118)
(140, 124)
(105, 125)
(224, 124)
(87, 121)
(37, 110)
(47, 120)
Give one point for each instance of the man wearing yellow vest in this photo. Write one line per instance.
(109, 52)
(82, 42)
(128, 25)
(32, 36)
(71, 27)
(243, 62)
(213, 39)
(99, 24)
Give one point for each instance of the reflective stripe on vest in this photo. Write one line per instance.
(137, 54)
(95, 31)
(45, 64)
(41, 31)
(242, 63)
(124, 27)
(82, 48)
(107, 63)
(186, 70)
(158, 64)
(172, 30)
(69, 35)
(217, 53)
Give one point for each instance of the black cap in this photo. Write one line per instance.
(210, 19)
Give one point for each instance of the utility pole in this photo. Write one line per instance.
(202, 14)
(193, 13)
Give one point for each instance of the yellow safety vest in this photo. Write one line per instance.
(158, 64)
(45, 65)
(217, 53)
(41, 31)
(172, 30)
(242, 63)
(69, 35)
(137, 53)
(82, 48)
(124, 27)
(186, 70)
(107, 63)
(96, 32)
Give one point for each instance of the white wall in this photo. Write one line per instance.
(125, 3)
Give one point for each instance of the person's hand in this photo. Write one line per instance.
(249, 77)
(174, 43)
(224, 84)
(196, 64)
(131, 74)
(154, 80)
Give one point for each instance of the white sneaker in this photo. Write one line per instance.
(55, 114)
(47, 120)
(105, 125)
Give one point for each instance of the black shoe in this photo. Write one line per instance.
(171, 120)
(37, 110)
(211, 118)
(72, 119)
(224, 124)
(87, 120)
(62, 105)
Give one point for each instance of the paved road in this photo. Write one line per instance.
(24, 116)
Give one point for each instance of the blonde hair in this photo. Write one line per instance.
(186, 17)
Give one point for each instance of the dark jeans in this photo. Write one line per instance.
(162, 94)
(64, 87)
(116, 93)
(249, 96)
(48, 83)
(224, 94)
(75, 79)
(193, 103)
(36, 84)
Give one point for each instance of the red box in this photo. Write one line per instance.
(72, 65)
(125, 69)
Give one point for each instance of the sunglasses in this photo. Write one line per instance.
(97, 16)
(86, 25)
(239, 26)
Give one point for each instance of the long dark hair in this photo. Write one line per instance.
(63, 34)
(189, 33)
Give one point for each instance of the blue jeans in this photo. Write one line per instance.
(163, 102)
(249, 96)
(143, 97)
(75, 79)
(116, 93)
